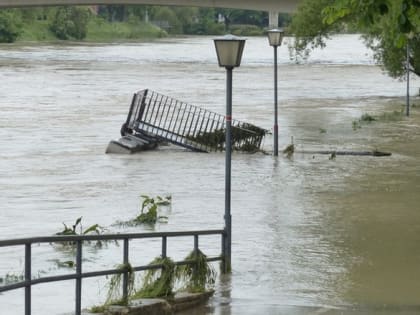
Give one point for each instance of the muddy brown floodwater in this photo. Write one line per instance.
(308, 232)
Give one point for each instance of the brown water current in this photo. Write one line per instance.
(308, 231)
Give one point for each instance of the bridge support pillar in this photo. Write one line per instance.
(273, 19)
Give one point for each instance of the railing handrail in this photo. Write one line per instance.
(103, 237)
(180, 103)
(91, 274)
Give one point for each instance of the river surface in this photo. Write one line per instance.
(308, 231)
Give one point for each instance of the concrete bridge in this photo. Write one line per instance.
(271, 6)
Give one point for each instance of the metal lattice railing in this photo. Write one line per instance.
(28, 281)
(156, 116)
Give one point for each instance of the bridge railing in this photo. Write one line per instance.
(78, 241)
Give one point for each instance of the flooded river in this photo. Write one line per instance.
(308, 231)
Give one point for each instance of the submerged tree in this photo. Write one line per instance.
(387, 27)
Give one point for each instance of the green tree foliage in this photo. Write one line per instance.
(308, 27)
(167, 19)
(70, 22)
(10, 25)
(125, 21)
(30, 15)
(114, 13)
(187, 17)
(388, 26)
(390, 46)
(186, 20)
(249, 17)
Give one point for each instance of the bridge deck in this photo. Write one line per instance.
(261, 5)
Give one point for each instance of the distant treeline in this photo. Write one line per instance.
(113, 22)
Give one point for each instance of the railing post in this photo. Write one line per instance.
(225, 266)
(164, 246)
(195, 266)
(125, 275)
(78, 310)
(28, 279)
(196, 243)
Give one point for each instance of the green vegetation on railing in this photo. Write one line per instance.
(199, 276)
(114, 289)
(214, 139)
(158, 282)
(244, 138)
(195, 277)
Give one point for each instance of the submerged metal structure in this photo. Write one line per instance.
(155, 118)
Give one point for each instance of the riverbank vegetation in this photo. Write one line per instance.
(393, 116)
(106, 23)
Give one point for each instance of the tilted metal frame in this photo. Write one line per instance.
(156, 116)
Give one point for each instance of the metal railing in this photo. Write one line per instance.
(156, 116)
(28, 281)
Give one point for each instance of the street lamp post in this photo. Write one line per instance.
(229, 50)
(275, 37)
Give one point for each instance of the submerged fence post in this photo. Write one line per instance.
(195, 243)
(195, 265)
(125, 275)
(79, 278)
(28, 279)
(225, 267)
(164, 246)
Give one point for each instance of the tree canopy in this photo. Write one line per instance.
(79, 23)
(388, 26)
(10, 26)
(70, 22)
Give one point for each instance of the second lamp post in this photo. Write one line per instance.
(275, 37)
